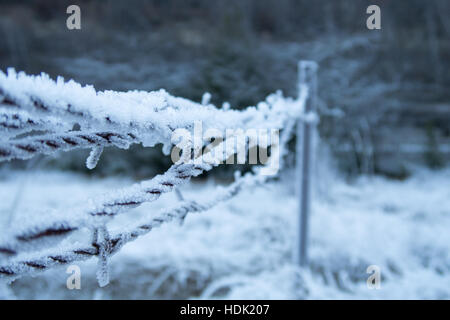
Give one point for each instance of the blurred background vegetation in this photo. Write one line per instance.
(384, 94)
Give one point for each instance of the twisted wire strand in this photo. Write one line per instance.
(15, 122)
(35, 105)
(44, 261)
(28, 147)
(136, 111)
(94, 215)
(26, 107)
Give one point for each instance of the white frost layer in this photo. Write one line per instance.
(242, 248)
(151, 116)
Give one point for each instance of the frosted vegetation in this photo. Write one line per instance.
(242, 248)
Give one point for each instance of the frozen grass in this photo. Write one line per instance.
(243, 248)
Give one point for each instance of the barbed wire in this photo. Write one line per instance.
(24, 109)
(118, 201)
(14, 122)
(28, 147)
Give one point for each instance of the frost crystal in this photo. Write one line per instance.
(94, 157)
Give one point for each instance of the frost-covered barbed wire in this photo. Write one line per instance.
(151, 116)
(14, 122)
(123, 200)
(28, 147)
(117, 202)
(30, 263)
(119, 119)
(93, 215)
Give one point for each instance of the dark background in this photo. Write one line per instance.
(384, 97)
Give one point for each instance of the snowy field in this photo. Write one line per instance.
(242, 249)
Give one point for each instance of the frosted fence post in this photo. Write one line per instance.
(307, 71)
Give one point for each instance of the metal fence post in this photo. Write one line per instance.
(307, 71)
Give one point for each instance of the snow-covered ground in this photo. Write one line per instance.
(242, 249)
